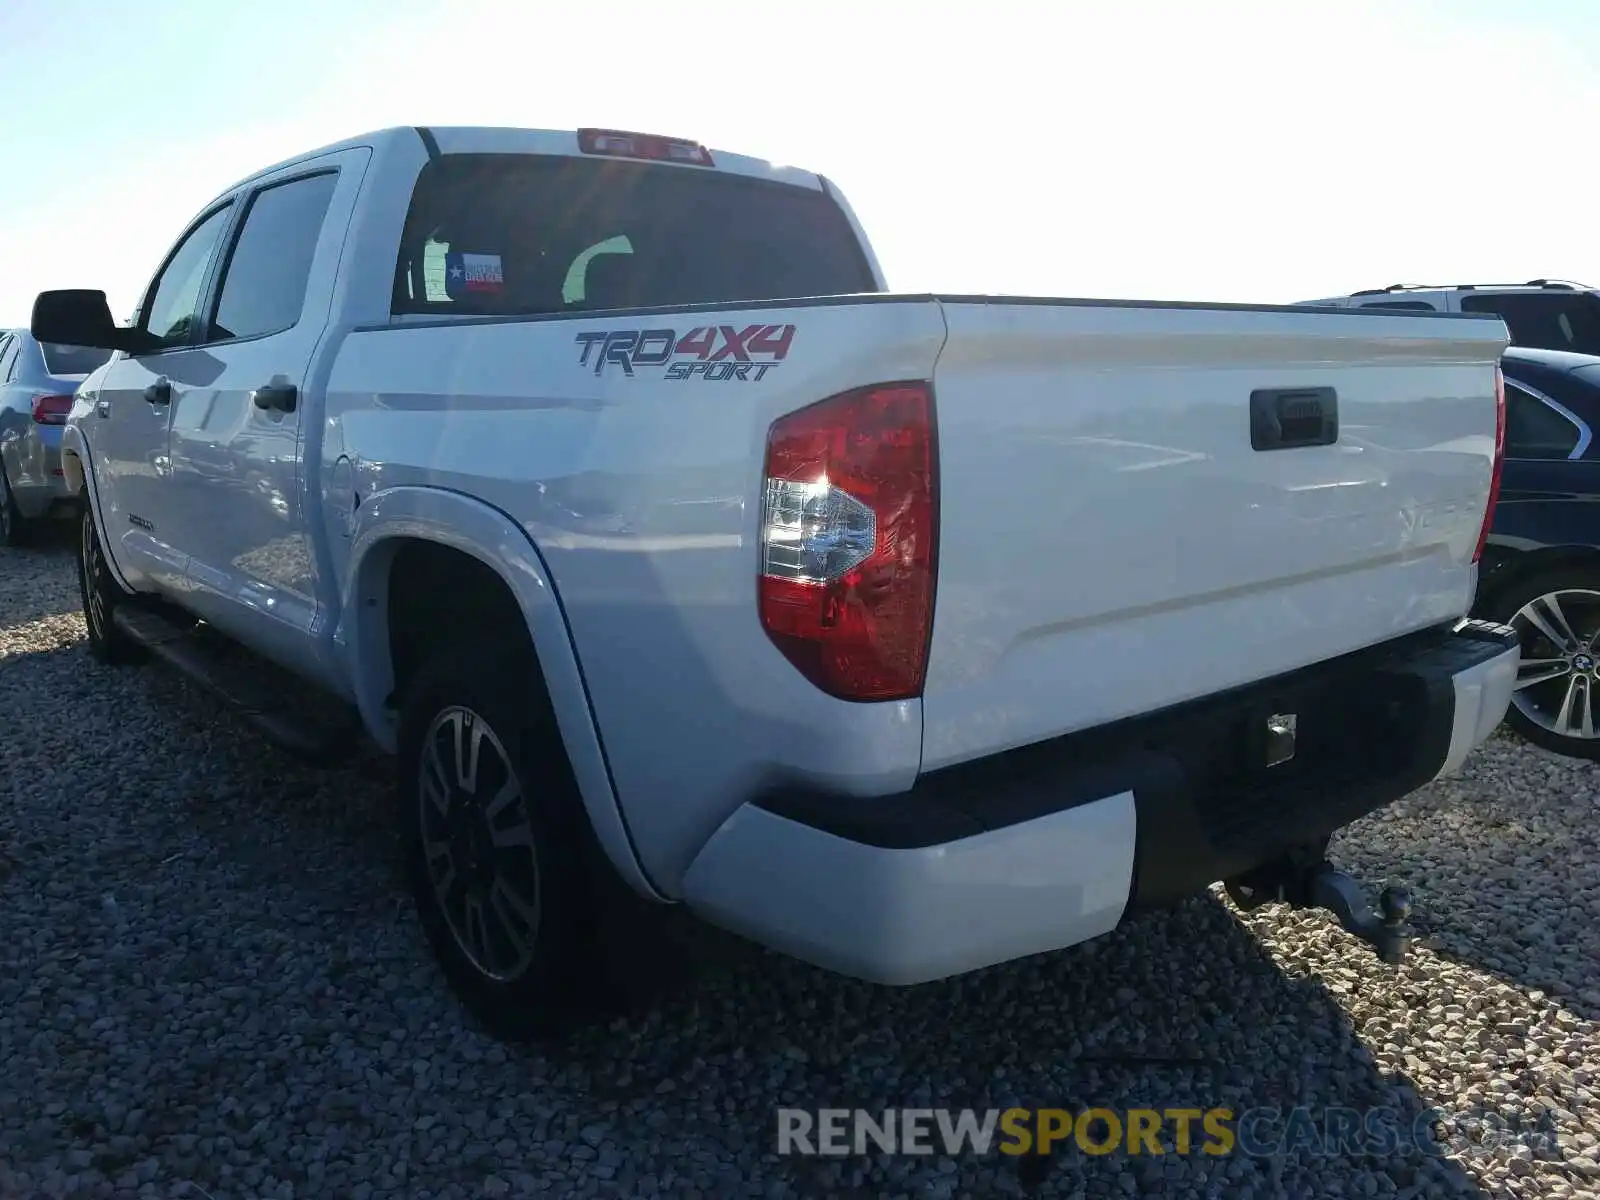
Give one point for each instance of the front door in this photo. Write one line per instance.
(240, 509)
(127, 430)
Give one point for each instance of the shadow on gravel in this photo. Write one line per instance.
(1506, 882)
(1177, 1010)
(50, 537)
(209, 825)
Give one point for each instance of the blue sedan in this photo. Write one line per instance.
(37, 381)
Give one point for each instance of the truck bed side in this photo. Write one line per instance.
(642, 494)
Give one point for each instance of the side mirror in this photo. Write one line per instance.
(79, 317)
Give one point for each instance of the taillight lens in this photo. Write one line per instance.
(51, 410)
(848, 533)
(1499, 459)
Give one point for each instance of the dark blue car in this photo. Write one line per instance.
(1541, 568)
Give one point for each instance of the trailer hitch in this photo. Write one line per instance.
(1304, 883)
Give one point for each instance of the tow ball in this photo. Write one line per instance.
(1318, 884)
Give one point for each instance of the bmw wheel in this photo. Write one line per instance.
(1557, 620)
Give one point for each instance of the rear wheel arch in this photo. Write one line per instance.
(1517, 571)
(410, 536)
(436, 595)
(415, 594)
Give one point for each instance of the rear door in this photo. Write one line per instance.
(238, 493)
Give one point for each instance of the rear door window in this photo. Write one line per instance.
(1545, 320)
(523, 234)
(1536, 430)
(264, 282)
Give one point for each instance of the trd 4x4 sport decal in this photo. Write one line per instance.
(713, 352)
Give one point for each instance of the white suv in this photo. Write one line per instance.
(1545, 314)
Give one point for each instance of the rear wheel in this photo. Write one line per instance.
(512, 891)
(101, 593)
(1557, 620)
(14, 527)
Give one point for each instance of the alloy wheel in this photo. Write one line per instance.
(1558, 679)
(478, 844)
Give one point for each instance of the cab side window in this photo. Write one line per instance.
(264, 282)
(172, 306)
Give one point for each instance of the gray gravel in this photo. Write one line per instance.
(209, 987)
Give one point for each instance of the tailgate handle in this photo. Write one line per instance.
(1284, 418)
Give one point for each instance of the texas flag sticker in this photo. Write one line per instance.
(466, 274)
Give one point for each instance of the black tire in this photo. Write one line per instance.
(15, 529)
(101, 593)
(560, 975)
(1534, 708)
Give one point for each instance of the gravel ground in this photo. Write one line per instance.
(209, 986)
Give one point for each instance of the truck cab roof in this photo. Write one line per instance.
(491, 139)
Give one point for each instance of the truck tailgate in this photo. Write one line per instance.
(1112, 543)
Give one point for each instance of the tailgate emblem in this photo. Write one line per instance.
(1280, 738)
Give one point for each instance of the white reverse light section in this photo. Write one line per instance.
(813, 532)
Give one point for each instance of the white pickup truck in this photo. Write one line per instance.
(596, 477)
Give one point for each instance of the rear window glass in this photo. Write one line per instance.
(72, 360)
(518, 234)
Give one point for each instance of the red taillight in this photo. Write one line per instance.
(51, 410)
(1499, 459)
(619, 143)
(848, 530)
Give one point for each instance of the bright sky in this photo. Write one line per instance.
(1265, 150)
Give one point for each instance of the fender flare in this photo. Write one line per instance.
(486, 533)
(75, 446)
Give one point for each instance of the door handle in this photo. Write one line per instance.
(159, 392)
(280, 397)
